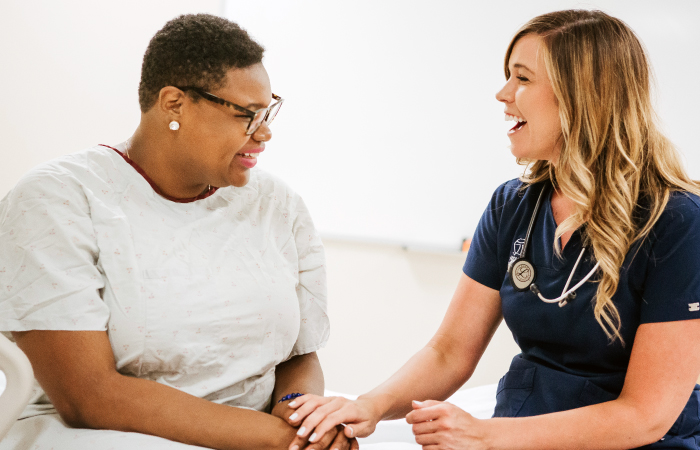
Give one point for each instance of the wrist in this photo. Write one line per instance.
(281, 436)
(376, 406)
(282, 410)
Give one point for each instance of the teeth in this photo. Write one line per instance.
(250, 154)
(510, 117)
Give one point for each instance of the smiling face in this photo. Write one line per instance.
(529, 100)
(218, 149)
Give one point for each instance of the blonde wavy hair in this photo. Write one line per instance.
(615, 163)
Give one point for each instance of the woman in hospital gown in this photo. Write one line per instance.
(156, 284)
(615, 366)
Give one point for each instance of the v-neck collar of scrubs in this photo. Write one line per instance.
(573, 246)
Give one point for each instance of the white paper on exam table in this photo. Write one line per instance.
(479, 401)
(396, 434)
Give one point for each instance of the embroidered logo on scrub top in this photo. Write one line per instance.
(517, 250)
(694, 306)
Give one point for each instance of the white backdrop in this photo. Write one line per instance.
(390, 130)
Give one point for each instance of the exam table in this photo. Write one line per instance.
(18, 378)
(389, 435)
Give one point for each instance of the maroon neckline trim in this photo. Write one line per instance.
(155, 187)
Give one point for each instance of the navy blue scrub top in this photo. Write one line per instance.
(567, 361)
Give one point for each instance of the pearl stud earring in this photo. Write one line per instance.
(174, 125)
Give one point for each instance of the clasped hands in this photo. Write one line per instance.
(436, 425)
(333, 439)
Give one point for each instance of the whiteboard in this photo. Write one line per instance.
(391, 131)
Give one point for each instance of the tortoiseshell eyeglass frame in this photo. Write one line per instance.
(268, 113)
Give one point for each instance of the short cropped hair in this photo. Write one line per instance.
(194, 50)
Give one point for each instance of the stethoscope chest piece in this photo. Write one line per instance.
(522, 274)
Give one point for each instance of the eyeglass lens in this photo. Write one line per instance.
(267, 116)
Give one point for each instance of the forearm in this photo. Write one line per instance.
(132, 404)
(300, 374)
(429, 374)
(612, 425)
(449, 359)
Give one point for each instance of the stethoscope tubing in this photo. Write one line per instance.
(567, 294)
(564, 297)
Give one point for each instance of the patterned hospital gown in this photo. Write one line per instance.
(206, 296)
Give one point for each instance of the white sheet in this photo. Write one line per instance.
(397, 435)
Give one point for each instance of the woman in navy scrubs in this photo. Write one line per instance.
(592, 258)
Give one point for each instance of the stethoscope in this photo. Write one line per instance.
(522, 272)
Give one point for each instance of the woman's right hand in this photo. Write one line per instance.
(316, 415)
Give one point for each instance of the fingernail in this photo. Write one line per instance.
(312, 438)
(293, 416)
(292, 403)
(417, 402)
(352, 432)
(294, 447)
(301, 431)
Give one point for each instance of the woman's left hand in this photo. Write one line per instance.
(444, 426)
(333, 440)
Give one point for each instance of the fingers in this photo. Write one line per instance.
(428, 410)
(324, 442)
(432, 426)
(304, 406)
(297, 402)
(327, 415)
(427, 439)
(419, 405)
(339, 442)
(297, 443)
(354, 428)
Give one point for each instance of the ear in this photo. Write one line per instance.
(170, 101)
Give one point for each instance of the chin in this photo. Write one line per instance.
(518, 152)
(240, 180)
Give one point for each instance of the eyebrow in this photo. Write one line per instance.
(522, 66)
(255, 106)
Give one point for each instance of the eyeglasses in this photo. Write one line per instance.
(257, 117)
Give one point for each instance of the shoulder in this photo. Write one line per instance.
(510, 191)
(509, 196)
(678, 226)
(269, 185)
(683, 205)
(67, 169)
(61, 180)
(681, 212)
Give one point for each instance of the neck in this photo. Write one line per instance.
(156, 154)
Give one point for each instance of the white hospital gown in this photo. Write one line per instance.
(206, 296)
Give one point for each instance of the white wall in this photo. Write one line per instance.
(69, 72)
(385, 304)
(391, 131)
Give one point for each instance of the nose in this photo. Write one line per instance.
(263, 133)
(507, 93)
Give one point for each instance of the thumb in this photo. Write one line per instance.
(424, 404)
(362, 429)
